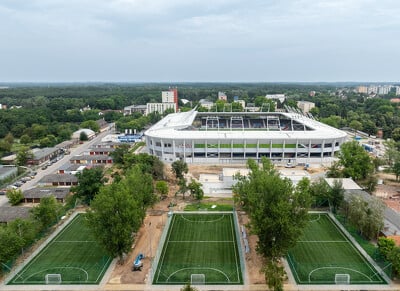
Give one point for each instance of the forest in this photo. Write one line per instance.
(43, 115)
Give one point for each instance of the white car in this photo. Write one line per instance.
(289, 165)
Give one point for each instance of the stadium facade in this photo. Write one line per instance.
(234, 137)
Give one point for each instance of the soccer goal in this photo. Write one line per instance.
(342, 279)
(197, 279)
(52, 279)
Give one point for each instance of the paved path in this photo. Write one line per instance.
(79, 149)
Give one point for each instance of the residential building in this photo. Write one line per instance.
(129, 110)
(305, 106)
(159, 107)
(11, 213)
(34, 195)
(280, 97)
(222, 96)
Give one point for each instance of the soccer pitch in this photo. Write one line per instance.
(200, 244)
(324, 251)
(73, 253)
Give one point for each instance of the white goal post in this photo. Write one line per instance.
(342, 279)
(197, 279)
(52, 279)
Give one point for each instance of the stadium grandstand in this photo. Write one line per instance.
(234, 137)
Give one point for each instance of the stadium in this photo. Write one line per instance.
(234, 137)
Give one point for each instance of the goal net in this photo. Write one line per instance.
(53, 279)
(342, 279)
(197, 279)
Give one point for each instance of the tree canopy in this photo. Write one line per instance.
(89, 183)
(277, 211)
(354, 160)
(114, 216)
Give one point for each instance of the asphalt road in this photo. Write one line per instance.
(52, 169)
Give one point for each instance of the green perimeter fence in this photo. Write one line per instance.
(214, 275)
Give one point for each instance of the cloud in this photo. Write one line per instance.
(198, 39)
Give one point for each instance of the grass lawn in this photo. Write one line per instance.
(324, 251)
(200, 244)
(73, 253)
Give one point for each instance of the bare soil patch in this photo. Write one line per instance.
(147, 239)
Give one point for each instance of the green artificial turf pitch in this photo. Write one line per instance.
(200, 244)
(323, 251)
(73, 253)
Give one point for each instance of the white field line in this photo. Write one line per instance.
(27, 266)
(195, 221)
(374, 271)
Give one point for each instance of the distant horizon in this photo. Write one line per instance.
(198, 82)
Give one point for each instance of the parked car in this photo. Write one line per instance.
(3, 192)
(289, 165)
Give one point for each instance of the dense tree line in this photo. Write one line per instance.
(117, 209)
(20, 234)
(49, 114)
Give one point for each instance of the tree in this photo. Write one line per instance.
(188, 287)
(47, 212)
(396, 134)
(319, 191)
(140, 185)
(355, 124)
(23, 155)
(10, 244)
(162, 188)
(5, 146)
(119, 153)
(385, 246)
(277, 211)
(9, 138)
(391, 151)
(83, 136)
(114, 216)
(335, 170)
(91, 124)
(394, 258)
(89, 183)
(179, 168)
(195, 190)
(25, 139)
(396, 167)
(356, 162)
(15, 196)
(183, 188)
(336, 195)
(26, 230)
(366, 215)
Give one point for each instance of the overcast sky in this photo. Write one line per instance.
(199, 40)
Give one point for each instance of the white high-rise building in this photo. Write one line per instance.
(167, 96)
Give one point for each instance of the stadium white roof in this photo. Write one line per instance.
(171, 127)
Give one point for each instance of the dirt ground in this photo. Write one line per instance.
(389, 191)
(147, 242)
(148, 237)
